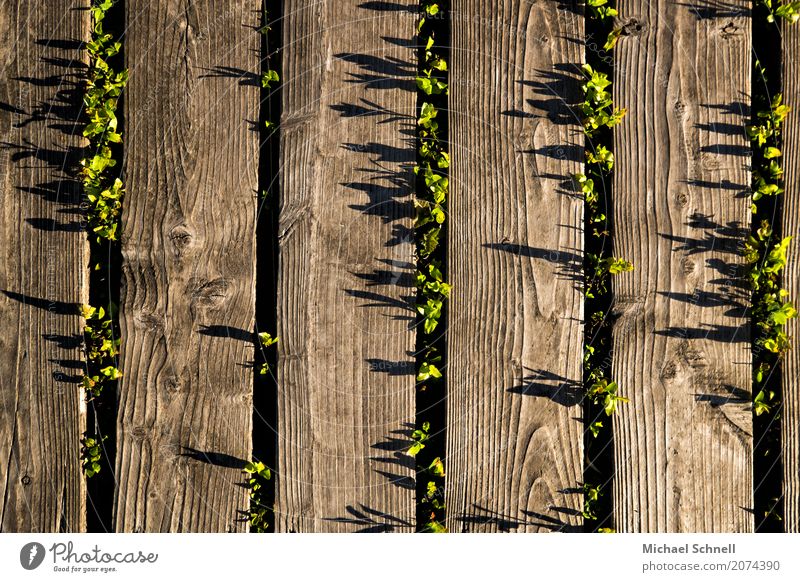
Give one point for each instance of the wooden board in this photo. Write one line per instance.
(188, 282)
(514, 440)
(43, 270)
(345, 290)
(791, 280)
(684, 444)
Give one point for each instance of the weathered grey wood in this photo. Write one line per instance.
(43, 270)
(345, 290)
(188, 281)
(683, 445)
(514, 425)
(791, 280)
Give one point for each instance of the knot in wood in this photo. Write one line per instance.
(729, 30)
(210, 294)
(633, 27)
(26, 480)
(181, 238)
(688, 266)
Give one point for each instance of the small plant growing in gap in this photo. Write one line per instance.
(265, 340)
(779, 9)
(91, 454)
(257, 475)
(101, 350)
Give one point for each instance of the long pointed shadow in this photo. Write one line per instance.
(557, 95)
(506, 523)
(57, 307)
(370, 520)
(712, 9)
(214, 458)
(380, 72)
(545, 384)
(570, 263)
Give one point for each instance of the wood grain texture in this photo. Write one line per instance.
(345, 290)
(514, 440)
(683, 445)
(43, 266)
(188, 283)
(791, 280)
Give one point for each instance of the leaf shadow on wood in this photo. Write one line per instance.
(245, 78)
(729, 395)
(557, 96)
(226, 331)
(223, 460)
(570, 264)
(573, 6)
(370, 520)
(367, 108)
(382, 184)
(554, 387)
(482, 516)
(70, 343)
(730, 290)
(713, 9)
(382, 6)
(394, 457)
(60, 114)
(380, 72)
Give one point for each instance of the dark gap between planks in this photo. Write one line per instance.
(767, 457)
(599, 451)
(431, 404)
(104, 290)
(265, 388)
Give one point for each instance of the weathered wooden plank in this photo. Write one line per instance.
(43, 273)
(683, 445)
(188, 281)
(514, 426)
(791, 280)
(345, 289)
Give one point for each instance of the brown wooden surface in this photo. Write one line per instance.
(683, 445)
(43, 270)
(345, 291)
(791, 280)
(514, 424)
(188, 281)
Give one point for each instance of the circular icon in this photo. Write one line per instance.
(31, 555)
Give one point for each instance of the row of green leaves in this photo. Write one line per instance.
(432, 290)
(598, 112)
(103, 193)
(765, 253)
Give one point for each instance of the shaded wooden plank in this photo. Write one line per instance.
(43, 273)
(345, 290)
(790, 416)
(188, 282)
(514, 426)
(683, 445)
